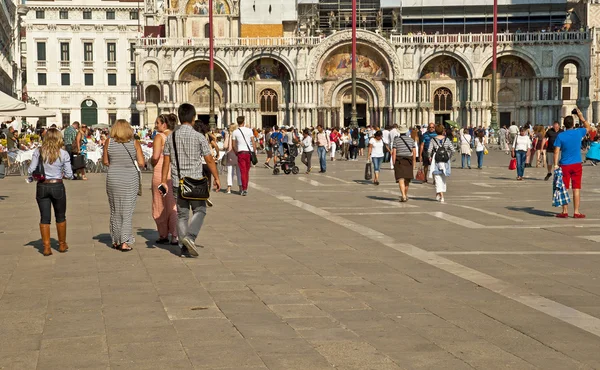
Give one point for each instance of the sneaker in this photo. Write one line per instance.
(244, 193)
(438, 197)
(190, 246)
(442, 200)
(209, 203)
(547, 177)
(228, 190)
(185, 252)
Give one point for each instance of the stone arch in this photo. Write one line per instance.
(443, 99)
(318, 55)
(373, 90)
(514, 53)
(194, 58)
(197, 75)
(248, 61)
(150, 71)
(464, 62)
(268, 101)
(152, 94)
(337, 63)
(572, 59)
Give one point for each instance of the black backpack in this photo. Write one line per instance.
(441, 154)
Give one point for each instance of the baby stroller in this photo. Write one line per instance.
(593, 154)
(287, 161)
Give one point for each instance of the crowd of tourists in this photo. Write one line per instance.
(186, 155)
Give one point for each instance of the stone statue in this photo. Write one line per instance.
(395, 19)
(379, 19)
(150, 6)
(236, 7)
(331, 19)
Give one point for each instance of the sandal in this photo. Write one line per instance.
(162, 241)
(578, 215)
(563, 215)
(175, 242)
(125, 248)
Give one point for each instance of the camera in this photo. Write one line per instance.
(574, 111)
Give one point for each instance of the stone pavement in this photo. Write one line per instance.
(312, 272)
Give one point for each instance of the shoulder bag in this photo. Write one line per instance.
(39, 174)
(253, 157)
(137, 168)
(78, 162)
(190, 188)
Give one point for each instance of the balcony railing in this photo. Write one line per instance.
(41, 63)
(436, 39)
(132, 64)
(65, 64)
(111, 64)
(88, 64)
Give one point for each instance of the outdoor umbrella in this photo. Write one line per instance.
(452, 123)
(101, 126)
(30, 110)
(9, 104)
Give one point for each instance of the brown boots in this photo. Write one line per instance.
(61, 229)
(45, 232)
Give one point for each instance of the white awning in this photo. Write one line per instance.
(8, 103)
(29, 111)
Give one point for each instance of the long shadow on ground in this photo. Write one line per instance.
(532, 211)
(37, 244)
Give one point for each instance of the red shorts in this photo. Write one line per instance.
(572, 175)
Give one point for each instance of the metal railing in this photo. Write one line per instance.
(435, 39)
(65, 64)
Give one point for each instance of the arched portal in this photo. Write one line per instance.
(269, 106)
(446, 77)
(518, 88)
(196, 76)
(367, 102)
(152, 94)
(570, 86)
(89, 112)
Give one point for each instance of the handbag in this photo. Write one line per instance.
(190, 188)
(368, 171)
(420, 176)
(39, 174)
(78, 162)
(139, 172)
(253, 157)
(513, 164)
(485, 151)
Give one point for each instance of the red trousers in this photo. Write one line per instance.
(244, 164)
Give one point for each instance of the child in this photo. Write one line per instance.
(593, 154)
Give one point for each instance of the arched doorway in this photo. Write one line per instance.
(198, 76)
(570, 89)
(442, 105)
(269, 105)
(152, 100)
(89, 112)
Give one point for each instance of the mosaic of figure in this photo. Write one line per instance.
(266, 69)
(443, 68)
(340, 64)
(200, 7)
(511, 67)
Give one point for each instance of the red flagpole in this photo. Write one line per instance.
(211, 65)
(354, 113)
(494, 111)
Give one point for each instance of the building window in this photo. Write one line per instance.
(132, 52)
(65, 79)
(112, 79)
(87, 14)
(88, 52)
(442, 99)
(111, 52)
(110, 14)
(63, 14)
(268, 101)
(134, 15)
(41, 51)
(112, 118)
(133, 81)
(135, 119)
(566, 93)
(66, 119)
(88, 79)
(64, 52)
(42, 79)
(40, 14)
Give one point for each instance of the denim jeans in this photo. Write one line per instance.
(480, 159)
(307, 159)
(521, 156)
(322, 157)
(376, 163)
(467, 158)
(185, 227)
(50, 196)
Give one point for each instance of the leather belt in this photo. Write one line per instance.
(53, 181)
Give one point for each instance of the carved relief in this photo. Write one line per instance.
(150, 72)
(547, 58)
(408, 61)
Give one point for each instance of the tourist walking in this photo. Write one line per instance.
(520, 147)
(404, 155)
(231, 160)
(80, 147)
(69, 135)
(164, 209)
(334, 138)
(503, 138)
(268, 148)
(549, 139)
(466, 148)
(362, 141)
(354, 138)
(513, 132)
(244, 147)
(123, 156)
(323, 145)
(568, 146)
(376, 154)
(183, 154)
(424, 150)
(440, 152)
(50, 190)
(307, 150)
(480, 148)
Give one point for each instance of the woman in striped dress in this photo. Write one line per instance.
(123, 156)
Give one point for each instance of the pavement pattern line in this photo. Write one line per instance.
(530, 299)
(520, 253)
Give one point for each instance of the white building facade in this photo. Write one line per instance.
(80, 59)
(8, 57)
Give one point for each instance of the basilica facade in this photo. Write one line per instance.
(274, 75)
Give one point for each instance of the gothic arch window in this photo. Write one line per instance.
(268, 101)
(442, 99)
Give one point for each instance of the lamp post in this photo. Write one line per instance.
(353, 114)
(494, 111)
(211, 66)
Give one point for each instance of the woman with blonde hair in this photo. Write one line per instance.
(164, 207)
(50, 192)
(123, 156)
(231, 159)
